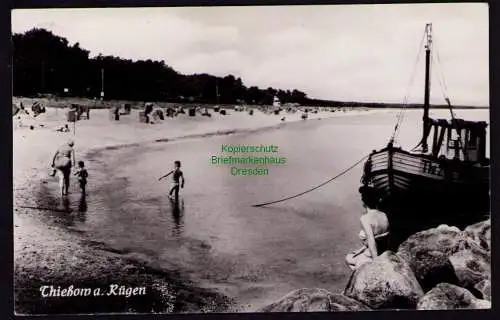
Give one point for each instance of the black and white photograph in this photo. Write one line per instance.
(253, 159)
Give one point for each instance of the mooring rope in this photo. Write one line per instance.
(314, 188)
(442, 82)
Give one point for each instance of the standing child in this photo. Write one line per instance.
(177, 176)
(82, 174)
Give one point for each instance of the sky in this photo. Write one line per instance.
(336, 52)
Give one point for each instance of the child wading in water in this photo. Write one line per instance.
(177, 175)
(82, 174)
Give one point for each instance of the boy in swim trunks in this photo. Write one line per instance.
(177, 176)
(82, 174)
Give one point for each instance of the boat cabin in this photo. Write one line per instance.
(457, 139)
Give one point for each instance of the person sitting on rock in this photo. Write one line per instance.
(374, 234)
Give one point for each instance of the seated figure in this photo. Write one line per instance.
(373, 235)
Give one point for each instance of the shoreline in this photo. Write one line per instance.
(139, 140)
(193, 136)
(47, 254)
(37, 241)
(62, 102)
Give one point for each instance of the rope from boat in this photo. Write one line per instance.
(444, 90)
(401, 114)
(442, 82)
(314, 188)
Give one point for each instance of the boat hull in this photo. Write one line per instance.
(416, 182)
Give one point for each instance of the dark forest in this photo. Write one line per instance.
(44, 63)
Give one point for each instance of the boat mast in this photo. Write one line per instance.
(428, 32)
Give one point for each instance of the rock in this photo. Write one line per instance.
(446, 227)
(471, 267)
(386, 282)
(431, 268)
(428, 254)
(445, 239)
(484, 287)
(447, 296)
(480, 233)
(358, 257)
(312, 300)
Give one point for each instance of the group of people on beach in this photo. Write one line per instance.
(62, 163)
(64, 160)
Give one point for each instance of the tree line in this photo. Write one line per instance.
(44, 63)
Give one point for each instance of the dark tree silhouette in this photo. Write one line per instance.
(45, 63)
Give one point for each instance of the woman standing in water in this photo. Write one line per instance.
(63, 161)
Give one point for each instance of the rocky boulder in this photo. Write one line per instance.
(431, 268)
(484, 287)
(447, 296)
(314, 300)
(445, 239)
(480, 233)
(428, 254)
(386, 282)
(471, 267)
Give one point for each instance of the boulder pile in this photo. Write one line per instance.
(437, 269)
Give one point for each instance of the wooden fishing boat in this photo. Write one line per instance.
(447, 173)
